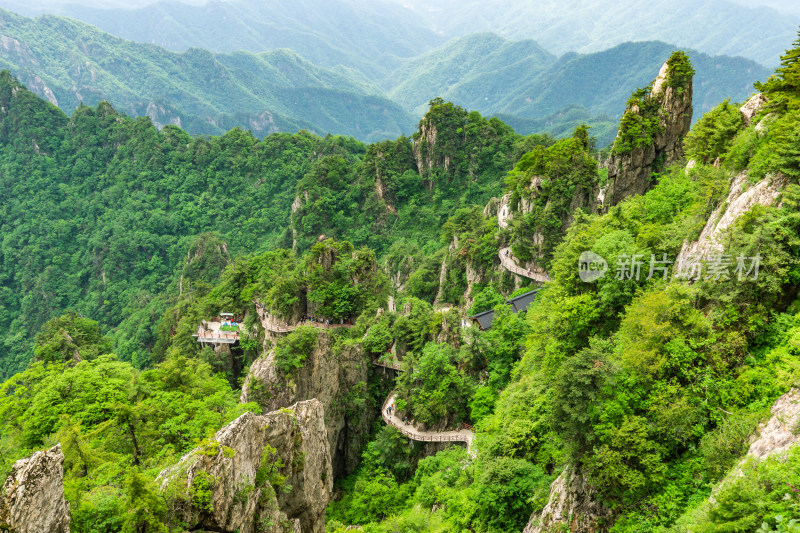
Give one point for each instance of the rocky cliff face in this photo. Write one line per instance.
(337, 380)
(751, 108)
(773, 437)
(630, 171)
(266, 474)
(742, 197)
(424, 150)
(779, 433)
(572, 505)
(32, 498)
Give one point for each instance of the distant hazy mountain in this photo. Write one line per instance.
(69, 62)
(375, 36)
(475, 71)
(371, 36)
(710, 26)
(531, 89)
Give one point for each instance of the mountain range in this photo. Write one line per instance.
(710, 26)
(69, 62)
(375, 36)
(371, 37)
(520, 79)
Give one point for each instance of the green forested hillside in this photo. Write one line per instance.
(109, 205)
(370, 37)
(534, 91)
(70, 62)
(649, 387)
(480, 68)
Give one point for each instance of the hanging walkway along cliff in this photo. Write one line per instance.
(268, 322)
(510, 264)
(463, 435)
(506, 259)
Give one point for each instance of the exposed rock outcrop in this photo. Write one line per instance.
(572, 504)
(32, 497)
(443, 270)
(503, 210)
(741, 198)
(337, 380)
(161, 115)
(773, 437)
(751, 108)
(630, 172)
(269, 473)
(779, 433)
(424, 150)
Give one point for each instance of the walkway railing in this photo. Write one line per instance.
(425, 436)
(394, 365)
(208, 335)
(287, 328)
(507, 260)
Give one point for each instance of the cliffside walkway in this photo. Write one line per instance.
(394, 364)
(287, 328)
(211, 332)
(463, 435)
(509, 263)
(268, 322)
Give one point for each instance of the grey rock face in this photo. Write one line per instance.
(630, 173)
(32, 498)
(778, 434)
(269, 473)
(337, 380)
(573, 504)
(752, 107)
(742, 197)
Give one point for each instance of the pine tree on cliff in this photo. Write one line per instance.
(783, 88)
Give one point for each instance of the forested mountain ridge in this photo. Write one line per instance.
(639, 393)
(529, 88)
(70, 63)
(511, 80)
(480, 60)
(136, 198)
(712, 27)
(371, 37)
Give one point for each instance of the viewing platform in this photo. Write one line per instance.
(220, 330)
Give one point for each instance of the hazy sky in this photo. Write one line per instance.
(783, 5)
